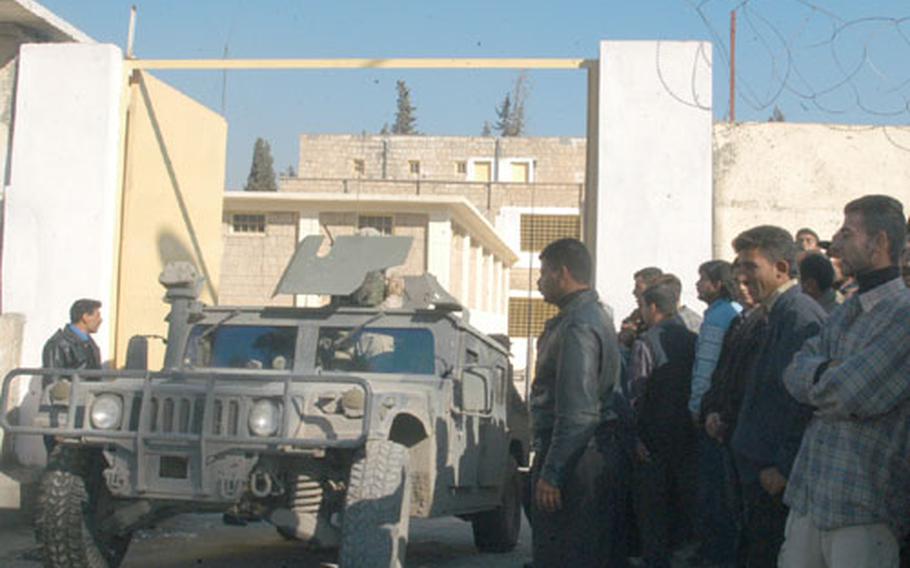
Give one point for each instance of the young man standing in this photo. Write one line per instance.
(771, 422)
(577, 371)
(849, 490)
(716, 288)
(72, 346)
(661, 368)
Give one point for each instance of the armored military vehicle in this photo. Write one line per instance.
(334, 423)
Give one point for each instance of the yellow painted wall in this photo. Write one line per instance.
(172, 205)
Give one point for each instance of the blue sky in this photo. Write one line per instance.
(824, 61)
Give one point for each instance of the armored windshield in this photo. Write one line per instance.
(242, 347)
(376, 350)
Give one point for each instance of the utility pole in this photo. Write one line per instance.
(732, 66)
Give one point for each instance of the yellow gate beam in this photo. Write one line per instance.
(439, 63)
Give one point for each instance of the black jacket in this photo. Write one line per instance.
(66, 350)
(728, 382)
(577, 370)
(771, 422)
(662, 411)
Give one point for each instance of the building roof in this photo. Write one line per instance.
(40, 21)
(460, 209)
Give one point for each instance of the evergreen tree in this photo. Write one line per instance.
(777, 115)
(511, 112)
(405, 121)
(487, 129)
(262, 171)
(290, 172)
(504, 117)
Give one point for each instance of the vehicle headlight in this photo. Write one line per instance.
(107, 410)
(264, 418)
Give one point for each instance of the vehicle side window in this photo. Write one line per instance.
(500, 387)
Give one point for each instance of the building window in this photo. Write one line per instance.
(521, 172)
(525, 312)
(247, 223)
(382, 223)
(414, 166)
(483, 171)
(461, 167)
(359, 167)
(537, 231)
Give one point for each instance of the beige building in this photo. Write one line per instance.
(452, 240)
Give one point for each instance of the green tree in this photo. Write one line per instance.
(487, 130)
(262, 171)
(510, 114)
(405, 120)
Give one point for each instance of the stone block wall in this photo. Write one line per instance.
(337, 157)
(253, 262)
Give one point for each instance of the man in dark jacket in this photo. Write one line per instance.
(72, 346)
(771, 422)
(661, 378)
(577, 371)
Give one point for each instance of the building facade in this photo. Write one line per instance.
(451, 240)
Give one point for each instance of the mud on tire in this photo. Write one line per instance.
(377, 507)
(497, 530)
(72, 496)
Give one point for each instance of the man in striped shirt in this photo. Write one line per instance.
(849, 489)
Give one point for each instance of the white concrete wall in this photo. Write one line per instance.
(62, 201)
(653, 190)
(802, 175)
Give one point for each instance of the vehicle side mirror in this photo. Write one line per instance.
(137, 353)
(475, 390)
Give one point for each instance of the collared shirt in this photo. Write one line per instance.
(768, 303)
(79, 333)
(718, 317)
(853, 466)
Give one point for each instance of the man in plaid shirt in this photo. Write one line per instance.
(849, 490)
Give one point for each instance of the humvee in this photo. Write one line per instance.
(334, 423)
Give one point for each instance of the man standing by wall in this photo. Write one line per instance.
(72, 346)
(716, 288)
(849, 490)
(661, 370)
(771, 422)
(577, 370)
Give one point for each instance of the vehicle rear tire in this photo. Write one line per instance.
(497, 530)
(374, 529)
(73, 500)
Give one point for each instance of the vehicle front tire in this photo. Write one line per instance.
(497, 530)
(73, 500)
(374, 529)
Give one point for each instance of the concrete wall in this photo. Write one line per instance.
(798, 175)
(653, 178)
(173, 194)
(61, 206)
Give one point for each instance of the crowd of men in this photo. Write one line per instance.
(772, 431)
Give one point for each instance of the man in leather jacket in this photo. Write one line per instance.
(72, 346)
(571, 410)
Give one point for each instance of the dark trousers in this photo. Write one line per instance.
(714, 510)
(764, 518)
(664, 504)
(590, 529)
